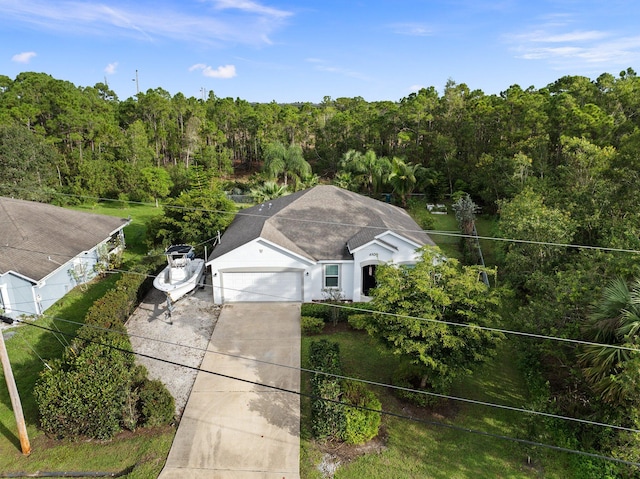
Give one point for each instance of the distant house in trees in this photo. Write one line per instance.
(301, 246)
(45, 251)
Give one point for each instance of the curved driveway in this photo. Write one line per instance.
(236, 429)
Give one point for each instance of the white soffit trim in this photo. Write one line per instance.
(400, 237)
(268, 244)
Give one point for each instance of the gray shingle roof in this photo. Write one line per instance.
(321, 223)
(31, 232)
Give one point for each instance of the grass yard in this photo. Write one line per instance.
(417, 450)
(414, 449)
(443, 227)
(141, 454)
(135, 232)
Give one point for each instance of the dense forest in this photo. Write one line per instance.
(557, 166)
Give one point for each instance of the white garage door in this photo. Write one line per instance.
(252, 286)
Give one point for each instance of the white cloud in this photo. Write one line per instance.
(250, 23)
(110, 69)
(562, 46)
(225, 71)
(251, 7)
(24, 57)
(416, 88)
(543, 36)
(412, 29)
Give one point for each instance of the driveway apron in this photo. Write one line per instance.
(234, 426)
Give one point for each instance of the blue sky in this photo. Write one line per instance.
(265, 50)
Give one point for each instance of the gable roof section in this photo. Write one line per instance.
(31, 232)
(321, 223)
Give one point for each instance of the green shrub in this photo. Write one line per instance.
(359, 321)
(157, 406)
(96, 389)
(85, 394)
(327, 416)
(310, 325)
(368, 306)
(363, 422)
(324, 356)
(316, 310)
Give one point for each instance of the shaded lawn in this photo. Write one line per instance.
(418, 450)
(443, 225)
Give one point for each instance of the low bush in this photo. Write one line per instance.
(310, 325)
(85, 394)
(324, 356)
(316, 310)
(157, 406)
(331, 417)
(96, 390)
(362, 422)
(359, 321)
(327, 416)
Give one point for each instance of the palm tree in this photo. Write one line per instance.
(615, 320)
(403, 178)
(268, 191)
(367, 169)
(286, 161)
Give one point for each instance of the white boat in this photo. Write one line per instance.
(184, 272)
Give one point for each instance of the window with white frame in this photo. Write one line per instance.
(331, 276)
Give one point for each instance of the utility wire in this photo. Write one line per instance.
(364, 381)
(341, 224)
(417, 318)
(380, 411)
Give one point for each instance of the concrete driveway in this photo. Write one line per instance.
(236, 429)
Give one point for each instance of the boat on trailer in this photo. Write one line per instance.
(183, 273)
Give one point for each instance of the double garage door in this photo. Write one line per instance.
(254, 286)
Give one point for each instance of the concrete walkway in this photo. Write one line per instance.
(235, 429)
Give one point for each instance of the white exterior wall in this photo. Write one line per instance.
(345, 280)
(261, 255)
(27, 297)
(255, 256)
(403, 252)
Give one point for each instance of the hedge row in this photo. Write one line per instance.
(341, 409)
(327, 312)
(96, 390)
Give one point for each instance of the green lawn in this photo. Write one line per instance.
(144, 452)
(419, 450)
(134, 233)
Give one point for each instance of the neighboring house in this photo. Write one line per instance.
(45, 251)
(294, 247)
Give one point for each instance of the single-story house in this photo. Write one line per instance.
(45, 251)
(299, 247)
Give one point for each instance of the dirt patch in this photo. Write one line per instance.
(337, 454)
(178, 339)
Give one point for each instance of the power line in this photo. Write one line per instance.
(342, 224)
(365, 381)
(417, 318)
(497, 330)
(380, 411)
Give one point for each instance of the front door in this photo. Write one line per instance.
(368, 278)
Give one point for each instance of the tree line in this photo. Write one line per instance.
(558, 166)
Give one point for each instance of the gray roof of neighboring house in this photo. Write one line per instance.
(31, 232)
(321, 223)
